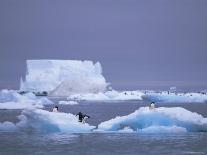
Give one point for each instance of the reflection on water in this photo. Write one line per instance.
(97, 143)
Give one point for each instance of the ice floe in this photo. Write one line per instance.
(143, 120)
(68, 102)
(161, 119)
(41, 120)
(10, 99)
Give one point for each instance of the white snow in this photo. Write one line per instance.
(10, 99)
(44, 121)
(109, 96)
(64, 77)
(157, 97)
(41, 120)
(126, 130)
(176, 97)
(20, 105)
(161, 119)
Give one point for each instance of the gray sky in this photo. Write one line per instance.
(143, 43)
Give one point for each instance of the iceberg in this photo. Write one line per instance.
(161, 119)
(143, 120)
(63, 77)
(21, 105)
(162, 129)
(41, 120)
(10, 99)
(44, 121)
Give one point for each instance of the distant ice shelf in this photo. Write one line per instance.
(112, 95)
(166, 97)
(83, 80)
(149, 96)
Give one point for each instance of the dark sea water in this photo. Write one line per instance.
(24, 143)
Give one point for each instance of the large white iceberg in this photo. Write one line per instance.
(63, 77)
(161, 119)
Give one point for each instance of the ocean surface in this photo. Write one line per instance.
(25, 143)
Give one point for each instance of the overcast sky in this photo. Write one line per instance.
(140, 43)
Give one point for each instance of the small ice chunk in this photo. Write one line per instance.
(68, 102)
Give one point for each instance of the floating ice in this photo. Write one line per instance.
(109, 96)
(158, 120)
(126, 130)
(10, 99)
(20, 105)
(68, 102)
(162, 129)
(176, 97)
(10, 95)
(8, 126)
(41, 120)
(63, 77)
(38, 120)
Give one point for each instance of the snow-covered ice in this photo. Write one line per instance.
(10, 99)
(175, 97)
(49, 121)
(162, 129)
(83, 80)
(68, 102)
(45, 121)
(151, 96)
(109, 96)
(20, 105)
(64, 77)
(8, 126)
(143, 120)
(161, 119)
